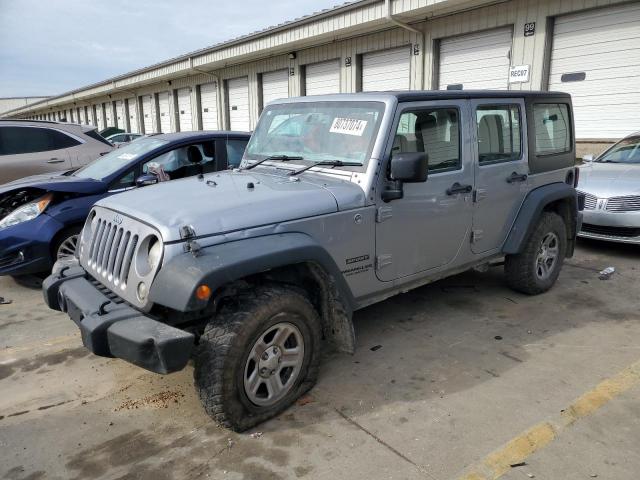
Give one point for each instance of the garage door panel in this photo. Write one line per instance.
(184, 110)
(322, 78)
(133, 115)
(209, 106)
(275, 85)
(147, 113)
(238, 95)
(164, 110)
(477, 61)
(605, 45)
(387, 70)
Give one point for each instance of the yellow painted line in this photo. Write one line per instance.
(517, 450)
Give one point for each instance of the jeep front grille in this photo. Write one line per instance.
(111, 252)
(114, 250)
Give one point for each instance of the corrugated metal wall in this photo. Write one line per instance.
(322, 46)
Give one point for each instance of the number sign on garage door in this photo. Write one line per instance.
(322, 78)
(386, 70)
(132, 110)
(184, 109)
(275, 85)
(147, 113)
(476, 61)
(238, 95)
(209, 106)
(596, 58)
(165, 112)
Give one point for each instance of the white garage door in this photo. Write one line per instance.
(239, 104)
(132, 110)
(78, 119)
(209, 106)
(165, 112)
(322, 78)
(476, 61)
(275, 85)
(120, 118)
(108, 113)
(184, 110)
(596, 58)
(386, 70)
(147, 113)
(100, 116)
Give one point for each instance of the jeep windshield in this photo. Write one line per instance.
(116, 159)
(316, 131)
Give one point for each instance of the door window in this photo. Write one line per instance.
(19, 140)
(435, 132)
(176, 162)
(499, 133)
(552, 128)
(235, 150)
(128, 180)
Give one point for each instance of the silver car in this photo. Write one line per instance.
(610, 188)
(30, 147)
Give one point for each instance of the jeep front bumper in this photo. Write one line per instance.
(112, 328)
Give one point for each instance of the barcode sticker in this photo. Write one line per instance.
(348, 126)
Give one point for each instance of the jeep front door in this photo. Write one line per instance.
(501, 170)
(429, 227)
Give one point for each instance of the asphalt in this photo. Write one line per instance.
(461, 379)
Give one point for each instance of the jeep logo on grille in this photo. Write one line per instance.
(117, 219)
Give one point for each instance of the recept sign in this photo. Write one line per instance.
(519, 74)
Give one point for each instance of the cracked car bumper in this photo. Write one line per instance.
(111, 328)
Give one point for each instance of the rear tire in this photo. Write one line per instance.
(256, 358)
(536, 268)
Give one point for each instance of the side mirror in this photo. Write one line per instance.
(410, 167)
(588, 158)
(406, 167)
(146, 179)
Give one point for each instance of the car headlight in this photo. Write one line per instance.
(26, 212)
(155, 254)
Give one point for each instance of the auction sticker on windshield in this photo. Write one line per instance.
(127, 156)
(348, 126)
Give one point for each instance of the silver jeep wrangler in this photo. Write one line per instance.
(341, 201)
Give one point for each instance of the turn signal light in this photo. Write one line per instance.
(203, 292)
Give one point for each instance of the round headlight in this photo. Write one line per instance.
(155, 253)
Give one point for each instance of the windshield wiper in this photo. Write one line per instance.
(281, 158)
(328, 163)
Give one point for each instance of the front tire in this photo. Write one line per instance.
(256, 358)
(536, 269)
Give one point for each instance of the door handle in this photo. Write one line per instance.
(517, 177)
(55, 160)
(456, 188)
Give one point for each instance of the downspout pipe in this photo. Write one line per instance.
(219, 98)
(390, 18)
(421, 36)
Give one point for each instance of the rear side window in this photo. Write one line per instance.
(60, 140)
(19, 140)
(499, 133)
(552, 128)
(235, 150)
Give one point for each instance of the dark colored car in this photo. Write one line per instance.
(41, 216)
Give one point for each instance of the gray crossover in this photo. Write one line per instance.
(340, 202)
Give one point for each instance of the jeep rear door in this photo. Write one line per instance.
(429, 227)
(501, 170)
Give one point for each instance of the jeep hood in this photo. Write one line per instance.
(56, 183)
(230, 201)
